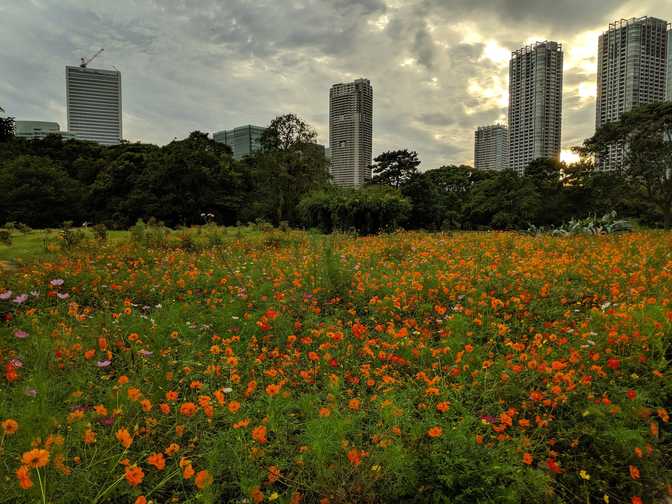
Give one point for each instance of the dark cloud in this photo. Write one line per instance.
(438, 67)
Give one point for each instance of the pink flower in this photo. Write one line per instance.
(21, 334)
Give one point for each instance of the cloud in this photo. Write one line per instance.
(439, 68)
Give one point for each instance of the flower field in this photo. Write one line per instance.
(292, 367)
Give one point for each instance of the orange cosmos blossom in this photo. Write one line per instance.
(124, 438)
(634, 472)
(435, 432)
(141, 500)
(9, 426)
(172, 449)
(134, 475)
(203, 479)
(259, 434)
(353, 404)
(355, 456)
(157, 460)
(257, 495)
(35, 458)
(89, 437)
(527, 458)
(273, 389)
(273, 474)
(233, 406)
(188, 409)
(23, 475)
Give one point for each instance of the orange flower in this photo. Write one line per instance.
(257, 495)
(443, 406)
(273, 474)
(134, 475)
(157, 460)
(233, 406)
(188, 471)
(124, 438)
(259, 434)
(100, 410)
(634, 472)
(10, 426)
(89, 437)
(273, 389)
(434, 432)
(35, 458)
(353, 404)
(172, 449)
(188, 409)
(355, 456)
(141, 500)
(527, 458)
(23, 475)
(203, 479)
(171, 395)
(325, 412)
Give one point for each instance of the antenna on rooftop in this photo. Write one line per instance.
(87, 61)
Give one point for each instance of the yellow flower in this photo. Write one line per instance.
(584, 474)
(273, 496)
(606, 498)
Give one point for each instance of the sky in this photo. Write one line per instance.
(439, 68)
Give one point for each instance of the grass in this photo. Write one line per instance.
(243, 364)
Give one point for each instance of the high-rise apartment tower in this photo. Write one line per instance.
(535, 104)
(491, 147)
(668, 95)
(94, 104)
(351, 132)
(632, 63)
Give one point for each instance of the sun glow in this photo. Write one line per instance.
(569, 157)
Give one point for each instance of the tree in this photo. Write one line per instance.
(645, 136)
(37, 192)
(289, 165)
(393, 168)
(545, 174)
(367, 210)
(503, 201)
(287, 132)
(6, 128)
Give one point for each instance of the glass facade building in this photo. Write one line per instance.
(243, 140)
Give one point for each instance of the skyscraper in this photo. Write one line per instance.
(491, 147)
(351, 132)
(631, 70)
(243, 140)
(535, 104)
(668, 95)
(94, 104)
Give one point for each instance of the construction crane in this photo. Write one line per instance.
(86, 62)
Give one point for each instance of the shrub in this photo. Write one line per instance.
(5, 236)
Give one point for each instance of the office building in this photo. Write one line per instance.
(535, 104)
(491, 148)
(631, 72)
(94, 104)
(34, 130)
(351, 132)
(243, 140)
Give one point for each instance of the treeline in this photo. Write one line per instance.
(46, 182)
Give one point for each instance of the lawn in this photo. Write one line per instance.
(252, 365)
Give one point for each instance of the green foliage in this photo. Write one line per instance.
(645, 136)
(607, 224)
(393, 168)
(71, 237)
(366, 211)
(6, 236)
(6, 128)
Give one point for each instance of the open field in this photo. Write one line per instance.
(243, 365)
